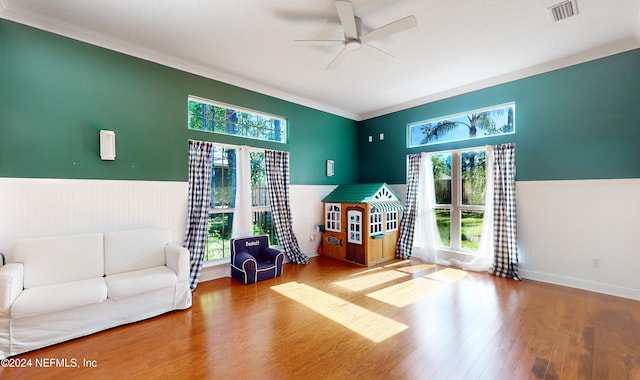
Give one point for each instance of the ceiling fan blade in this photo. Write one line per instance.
(318, 42)
(348, 19)
(389, 29)
(336, 60)
(377, 52)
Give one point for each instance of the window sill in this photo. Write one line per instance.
(215, 263)
(463, 256)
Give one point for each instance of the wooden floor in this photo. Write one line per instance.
(333, 320)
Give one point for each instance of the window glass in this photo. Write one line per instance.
(460, 187)
(333, 216)
(474, 168)
(471, 229)
(209, 116)
(392, 220)
(443, 221)
(442, 177)
(223, 195)
(375, 222)
(490, 121)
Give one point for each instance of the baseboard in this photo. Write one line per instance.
(612, 290)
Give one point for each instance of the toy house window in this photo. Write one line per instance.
(392, 220)
(355, 227)
(375, 222)
(332, 217)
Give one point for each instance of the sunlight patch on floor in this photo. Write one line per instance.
(408, 292)
(366, 323)
(370, 280)
(365, 271)
(416, 268)
(448, 275)
(399, 264)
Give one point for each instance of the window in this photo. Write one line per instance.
(459, 181)
(491, 121)
(391, 218)
(223, 195)
(375, 222)
(206, 115)
(332, 211)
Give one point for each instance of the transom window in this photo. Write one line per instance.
(207, 115)
(459, 181)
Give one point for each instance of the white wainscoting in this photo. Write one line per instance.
(583, 234)
(306, 214)
(45, 207)
(563, 226)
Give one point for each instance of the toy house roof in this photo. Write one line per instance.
(362, 193)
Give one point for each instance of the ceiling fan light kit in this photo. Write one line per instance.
(353, 40)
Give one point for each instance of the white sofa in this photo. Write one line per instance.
(53, 289)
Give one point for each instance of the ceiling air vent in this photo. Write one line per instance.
(564, 10)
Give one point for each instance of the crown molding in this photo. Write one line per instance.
(602, 52)
(9, 12)
(97, 39)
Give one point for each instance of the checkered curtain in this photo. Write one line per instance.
(195, 238)
(277, 164)
(505, 261)
(407, 224)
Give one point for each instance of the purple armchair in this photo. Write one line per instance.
(252, 259)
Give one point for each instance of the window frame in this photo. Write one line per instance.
(456, 208)
(391, 220)
(376, 222)
(333, 217)
(231, 210)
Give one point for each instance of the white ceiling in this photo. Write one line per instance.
(457, 46)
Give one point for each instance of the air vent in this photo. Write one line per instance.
(564, 10)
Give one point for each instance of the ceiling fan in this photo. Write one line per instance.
(353, 40)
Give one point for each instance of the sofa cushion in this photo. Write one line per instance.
(141, 281)
(52, 260)
(127, 251)
(51, 298)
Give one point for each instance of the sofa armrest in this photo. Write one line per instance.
(11, 284)
(178, 260)
(271, 254)
(241, 257)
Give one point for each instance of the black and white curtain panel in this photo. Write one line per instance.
(505, 263)
(408, 221)
(195, 239)
(277, 165)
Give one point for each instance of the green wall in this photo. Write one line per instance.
(580, 122)
(57, 93)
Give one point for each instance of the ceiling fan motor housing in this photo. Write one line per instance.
(352, 45)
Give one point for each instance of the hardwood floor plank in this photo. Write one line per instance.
(459, 326)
